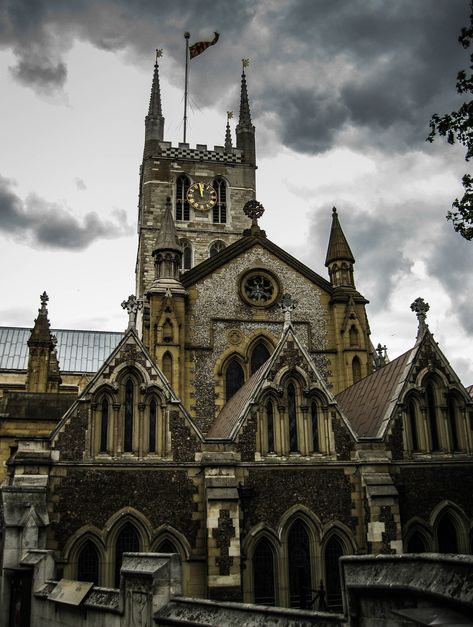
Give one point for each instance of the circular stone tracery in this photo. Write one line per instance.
(259, 288)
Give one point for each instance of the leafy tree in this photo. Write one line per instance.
(458, 127)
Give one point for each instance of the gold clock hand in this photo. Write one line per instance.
(201, 189)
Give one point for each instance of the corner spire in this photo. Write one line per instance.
(43, 366)
(228, 134)
(339, 259)
(167, 237)
(167, 255)
(154, 121)
(245, 131)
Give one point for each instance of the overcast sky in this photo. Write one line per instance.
(341, 95)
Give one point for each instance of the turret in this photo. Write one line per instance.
(167, 255)
(339, 260)
(245, 131)
(43, 366)
(154, 121)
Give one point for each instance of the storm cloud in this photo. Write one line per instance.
(379, 68)
(43, 224)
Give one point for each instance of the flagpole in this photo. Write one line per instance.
(186, 35)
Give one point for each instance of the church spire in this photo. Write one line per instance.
(245, 131)
(154, 121)
(167, 254)
(339, 259)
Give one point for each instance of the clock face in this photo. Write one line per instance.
(201, 196)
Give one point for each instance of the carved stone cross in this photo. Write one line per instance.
(286, 304)
(420, 307)
(132, 305)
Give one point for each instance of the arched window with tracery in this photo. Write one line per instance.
(234, 378)
(333, 552)
(104, 417)
(259, 355)
(216, 247)
(263, 573)
(300, 580)
(220, 207)
(314, 420)
(128, 541)
(129, 410)
(447, 537)
(356, 369)
(88, 563)
(432, 416)
(292, 414)
(412, 414)
(153, 416)
(270, 425)
(416, 543)
(452, 409)
(182, 204)
(186, 262)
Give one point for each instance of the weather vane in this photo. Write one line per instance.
(245, 63)
(159, 53)
(229, 115)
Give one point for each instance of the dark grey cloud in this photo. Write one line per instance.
(319, 66)
(38, 222)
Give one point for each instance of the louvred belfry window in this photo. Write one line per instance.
(182, 204)
(220, 208)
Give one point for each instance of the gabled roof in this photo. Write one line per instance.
(367, 402)
(240, 246)
(234, 413)
(140, 356)
(469, 389)
(78, 351)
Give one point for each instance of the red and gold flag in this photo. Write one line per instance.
(200, 46)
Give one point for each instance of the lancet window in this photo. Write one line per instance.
(182, 204)
(88, 563)
(129, 416)
(220, 208)
(263, 573)
(292, 414)
(234, 378)
(104, 426)
(300, 581)
(186, 263)
(127, 541)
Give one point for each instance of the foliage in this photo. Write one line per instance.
(458, 127)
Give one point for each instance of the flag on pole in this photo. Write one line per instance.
(200, 46)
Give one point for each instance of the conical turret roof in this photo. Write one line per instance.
(338, 248)
(167, 237)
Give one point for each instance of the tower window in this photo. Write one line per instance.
(182, 204)
(186, 254)
(220, 208)
(216, 247)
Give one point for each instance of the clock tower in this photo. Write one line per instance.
(207, 187)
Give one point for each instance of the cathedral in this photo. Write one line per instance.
(244, 420)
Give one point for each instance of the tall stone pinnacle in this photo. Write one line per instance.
(245, 115)
(167, 237)
(41, 332)
(245, 131)
(154, 121)
(339, 259)
(228, 137)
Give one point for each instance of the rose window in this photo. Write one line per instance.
(259, 288)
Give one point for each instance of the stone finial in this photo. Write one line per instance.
(382, 356)
(287, 305)
(44, 300)
(133, 306)
(420, 307)
(254, 210)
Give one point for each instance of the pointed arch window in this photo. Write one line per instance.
(129, 407)
(333, 552)
(270, 425)
(166, 546)
(314, 418)
(234, 378)
(167, 366)
(416, 543)
(263, 573)
(292, 412)
(432, 417)
(104, 426)
(127, 542)
(354, 336)
(153, 412)
(216, 247)
(259, 355)
(356, 369)
(413, 425)
(186, 262)
(300, 582)
(88, 563)
(452, 422)
(182, 204)
(220, 207)
(447, 537)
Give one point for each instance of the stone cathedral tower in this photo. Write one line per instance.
(169, 171)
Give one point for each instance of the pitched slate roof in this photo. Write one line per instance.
(469, 389)
(231, 411)
(78, 351)
(366, 404)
